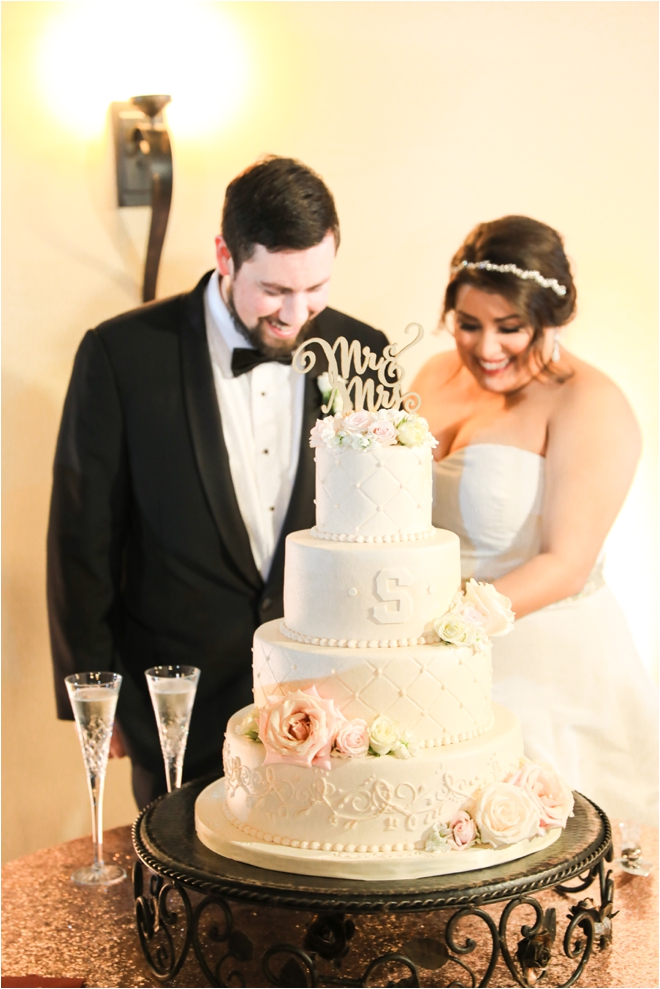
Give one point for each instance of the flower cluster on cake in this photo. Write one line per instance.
(373, 749)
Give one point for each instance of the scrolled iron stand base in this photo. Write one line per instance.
(189, 892)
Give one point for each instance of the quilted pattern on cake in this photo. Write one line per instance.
(373, 494)
(439, 702)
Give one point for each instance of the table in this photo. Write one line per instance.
(54, 928)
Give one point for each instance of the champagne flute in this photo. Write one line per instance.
(631, 850)
(172, 690)
(94, 701)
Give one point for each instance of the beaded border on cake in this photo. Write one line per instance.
(317, 846)
(396, 537)
(430, 638)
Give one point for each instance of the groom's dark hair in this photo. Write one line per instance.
(280, 203)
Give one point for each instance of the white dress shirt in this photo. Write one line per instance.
(261, 414)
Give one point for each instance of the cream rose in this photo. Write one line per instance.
(548, 791)
(495, 607)
(299, 728)
(353, 739)
(463, 830)
(413, 431)
(383, 735)
(505, 814)
(454, 629)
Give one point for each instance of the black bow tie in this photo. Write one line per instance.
(243, 359)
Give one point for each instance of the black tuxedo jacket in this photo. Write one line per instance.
(149, 560)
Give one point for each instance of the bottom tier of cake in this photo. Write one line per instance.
(216, 830)
(362, 815)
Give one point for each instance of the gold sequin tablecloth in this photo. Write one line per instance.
(54, 928)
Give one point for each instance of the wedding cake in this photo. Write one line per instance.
(373, 750)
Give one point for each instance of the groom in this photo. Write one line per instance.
(183, 462)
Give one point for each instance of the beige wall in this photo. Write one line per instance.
(424, 118)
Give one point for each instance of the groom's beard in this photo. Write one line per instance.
(255, 335)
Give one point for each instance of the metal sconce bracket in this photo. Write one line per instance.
(144, 171)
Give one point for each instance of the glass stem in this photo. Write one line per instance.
(95, 785)
(173, 772)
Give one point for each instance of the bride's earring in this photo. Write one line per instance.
(556, 352)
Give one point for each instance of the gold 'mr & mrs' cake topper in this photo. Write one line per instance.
(356, 393)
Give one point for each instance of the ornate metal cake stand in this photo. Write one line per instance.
(194, 897)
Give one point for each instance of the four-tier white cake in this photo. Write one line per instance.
(374, 750)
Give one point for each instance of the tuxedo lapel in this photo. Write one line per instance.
(207, 438)
(301, 512)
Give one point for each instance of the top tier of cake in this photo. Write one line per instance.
(382, 494)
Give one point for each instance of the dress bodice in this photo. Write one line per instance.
(491, 496)
(562, 668)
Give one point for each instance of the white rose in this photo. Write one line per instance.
(454, 629)
(358, 441)
(249, 725)
(549, 792)
(405, 748)
(323, 433)
(394, 416)
(505, 814)
(383, 735)
(495, 607)
(471, 615)
(439, 839)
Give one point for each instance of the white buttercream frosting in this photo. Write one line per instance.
(401, 588)
(383, 491)
(364, 804)
(440, 693)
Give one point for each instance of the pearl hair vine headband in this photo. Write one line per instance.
(513, 269)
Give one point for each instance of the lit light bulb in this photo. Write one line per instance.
(93, 54)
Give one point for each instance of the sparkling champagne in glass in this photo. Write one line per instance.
(94, 701)
(172, 690)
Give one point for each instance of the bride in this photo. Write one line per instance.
(536, 453)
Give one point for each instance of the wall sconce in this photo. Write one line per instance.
(144, 171)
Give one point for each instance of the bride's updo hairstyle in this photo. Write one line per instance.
(530, 246)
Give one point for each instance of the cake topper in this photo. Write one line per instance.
(356, 392)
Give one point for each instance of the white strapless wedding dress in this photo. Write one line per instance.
(569, 671)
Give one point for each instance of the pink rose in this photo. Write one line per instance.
(464, 830)
(299, 728)
(353, 738)
(358, 422)
(548, 791)
(383, 431)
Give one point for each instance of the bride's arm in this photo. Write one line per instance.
(593, 448)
